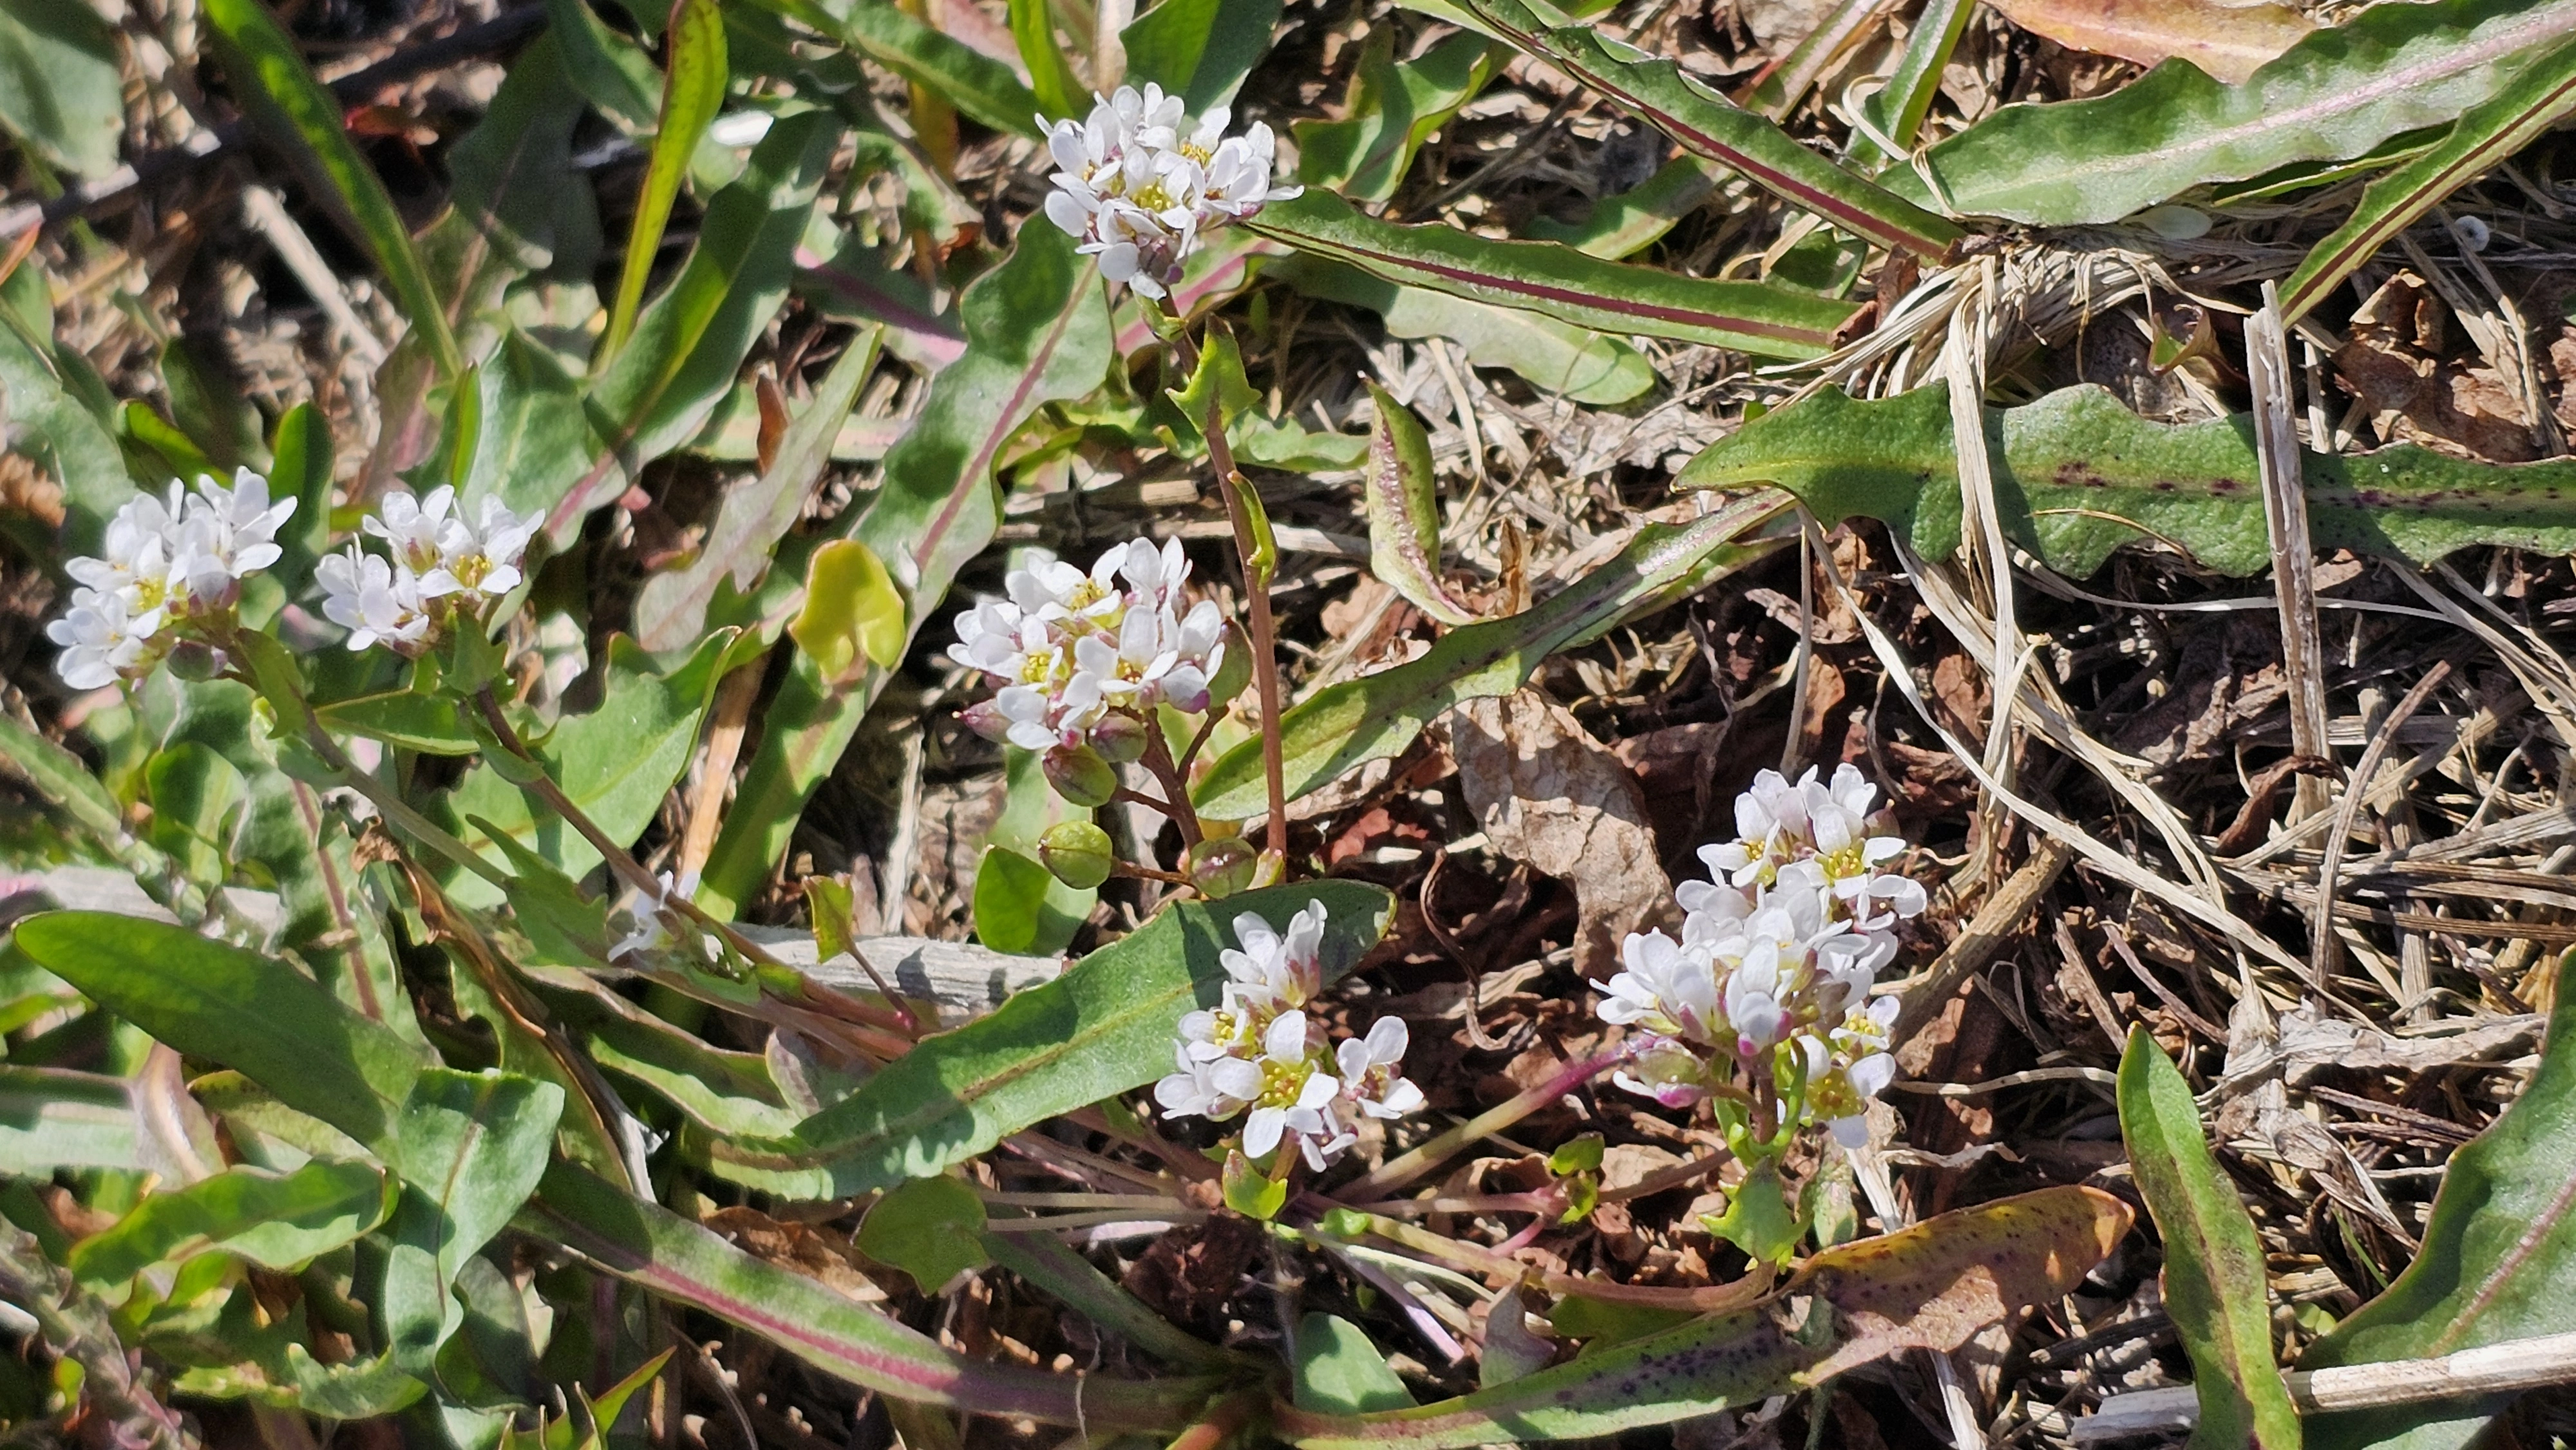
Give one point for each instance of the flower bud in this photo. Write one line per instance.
(1221, 865)
(197, 661)
(1079, 775)
(1078, 854)
(1233, 668)
(985, 718)
(1120, 738)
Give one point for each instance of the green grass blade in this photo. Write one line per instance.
(2536, 101)
(272, 79)
(1560, 282)
(2336, 94)
(1059, 91)
(2215, 1279)
(692, 90)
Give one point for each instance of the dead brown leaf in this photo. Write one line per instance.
(1549, 794)
(2228, 40)
(2397, 360)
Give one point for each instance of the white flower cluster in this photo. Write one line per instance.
(1777, 955)
(1069, 648)
(169, 563)
(1259, 1050)
(1139, 183)
(442, 566)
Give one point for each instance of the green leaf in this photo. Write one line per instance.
(405, 718)
(63, 781)
(1013, 912)
(973, 82)
(1929, 1287)
(270, 77)
(649, 1245)
(1105, 1027)
(2486, 136)
(53, 1118)
(1559, 282)
(274, 1221)
(300, 469)
(691, 341)
(2337, 93)
(2215, 1277)
(853, 615)
(2077, 475)
(59, 85)
(516, 203)
(615, 763)
(1339, 1372)
(1759, 1218)
(196, 797)
(536, 439)
(1060, 93)
(1707, 124)
(1633, 220)
(931, 1228)
(1343, 726)
(2498, 1262)
(751, 519)
(1583, 365)
(692, 92)
(1041, 913)
(611, 71)
(1899, 108)
(1199, 50)
(1394, 108)
(1037, 331)
(278, 1027)
(210, 409)
(471, 1150)
(67, 440)
(1403, 503)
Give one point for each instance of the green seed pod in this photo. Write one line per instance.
(1222, 865)
(1120, 738)
(1233, 669)
(1078, 853)
(1079, 775)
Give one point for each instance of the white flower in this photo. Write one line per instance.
(1776, 961)
(1139, 195)
(225, 535)
(101, 642)
(1368, 1066)
(483, 557)
(1670, 988)
(1069, 646)
(377, 601)
(1278, 971)
(167, 560)
(412, 526)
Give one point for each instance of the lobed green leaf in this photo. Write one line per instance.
(2077, 475)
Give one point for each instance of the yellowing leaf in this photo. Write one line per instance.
(2229, 41)
(852, 611)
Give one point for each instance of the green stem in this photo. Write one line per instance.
(1397, 1172)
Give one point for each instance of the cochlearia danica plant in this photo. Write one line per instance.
(494, 823)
